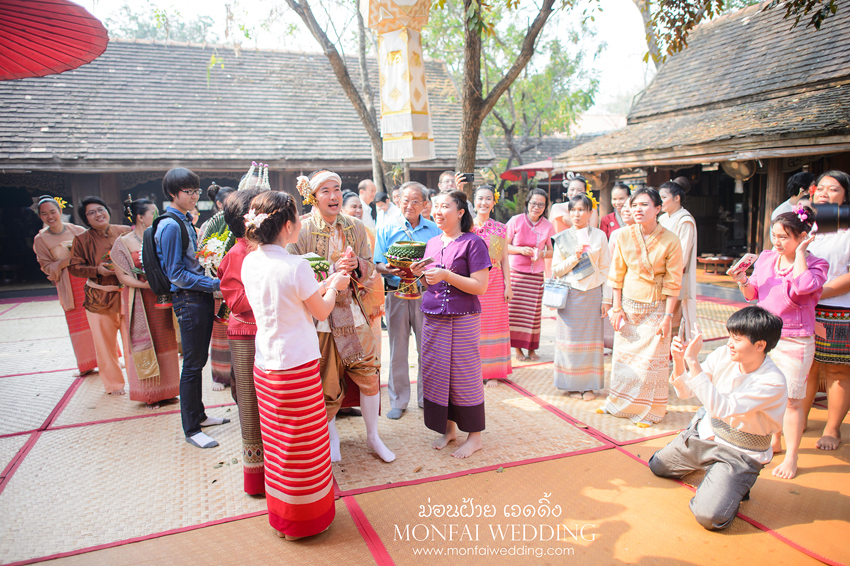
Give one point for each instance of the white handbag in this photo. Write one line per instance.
(555, 293)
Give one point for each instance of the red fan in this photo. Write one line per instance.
(45, 37)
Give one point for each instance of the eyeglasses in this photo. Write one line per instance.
(95, 212)
(191, 192)
(406, 202)
(536, 205)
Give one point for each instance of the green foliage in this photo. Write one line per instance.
(144, 20)
(214, 60)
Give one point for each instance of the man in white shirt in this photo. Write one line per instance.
(798, 186)
(367, 190)
(743, 395)
(388, 213)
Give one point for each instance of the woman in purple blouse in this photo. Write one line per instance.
(788, 281)
(451, 361)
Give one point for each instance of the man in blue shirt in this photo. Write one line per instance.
(403, 314)
(193, 299)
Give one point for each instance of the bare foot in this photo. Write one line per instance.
(519, 356)
(829, 442)
(441, 442)
(787, 469)
(776, 444)
(119, 392)
(492, 383)
(588, 396)
(217, 386)
(287, 537)
(575, 394)
(152, 406)
(532, 355)
(471, 446)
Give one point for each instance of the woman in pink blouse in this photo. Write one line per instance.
(788, 282)
(529, 243)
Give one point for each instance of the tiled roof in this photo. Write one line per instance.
(748, 53)
(745, 84)
(144, 105)
(548, 146)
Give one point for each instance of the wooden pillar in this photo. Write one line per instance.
(110, 191)
(285, 181)
(605, 206)
(83, 185)
(774, 195)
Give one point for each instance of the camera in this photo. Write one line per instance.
(832, 217)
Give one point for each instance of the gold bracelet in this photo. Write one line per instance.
(617, 309)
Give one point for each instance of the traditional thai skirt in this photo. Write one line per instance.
(167, 385)
(524, 309)
(794, 356)
(242, 359)
(640, 367)
(81, 338)
(495, 344)
(220, 351)
(579, 365)
(451, 372)
(294, 426)
(835, 348)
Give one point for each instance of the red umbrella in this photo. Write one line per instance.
(45, 37)
(530, 169)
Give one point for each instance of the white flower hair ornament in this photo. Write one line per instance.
(306, 191)
(254, 220)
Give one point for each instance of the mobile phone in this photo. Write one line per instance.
(744, 263)
(622, 322)
(467, 177)
(424, 261)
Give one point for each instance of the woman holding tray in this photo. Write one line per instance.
(150, 343)
(285, 297)
(495, 342)
(451, 360)
(52, 248)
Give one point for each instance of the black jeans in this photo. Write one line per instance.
(194, 310)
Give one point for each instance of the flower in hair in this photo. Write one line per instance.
(61, 202)
(252, 219)
(495, 195)
(303, 186)
(801, 213)
(593, 200)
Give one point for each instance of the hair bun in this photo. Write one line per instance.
(128, 209)
(212, 191)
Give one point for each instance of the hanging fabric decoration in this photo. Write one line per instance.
(405, 119)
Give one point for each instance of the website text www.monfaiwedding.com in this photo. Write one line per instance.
(466, 530)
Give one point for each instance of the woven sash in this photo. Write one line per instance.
(740, 439)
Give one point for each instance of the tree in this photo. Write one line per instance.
(151, 22)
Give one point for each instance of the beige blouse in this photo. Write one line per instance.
(600, 257)
(647, 270)
(50, 249)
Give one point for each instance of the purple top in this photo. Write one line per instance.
(521, 232)
(793, 300)
(464, 256)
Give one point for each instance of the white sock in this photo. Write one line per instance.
(213, 421)
(202, 440)
(335, 454)
(369, 406)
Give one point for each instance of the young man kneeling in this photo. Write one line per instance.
(743, 395)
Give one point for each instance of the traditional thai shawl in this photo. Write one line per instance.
(140, 339)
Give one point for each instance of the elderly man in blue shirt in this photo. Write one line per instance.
(193, 299)
(403, 314)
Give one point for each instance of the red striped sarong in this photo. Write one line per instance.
(294, 427)
(495, 345)
(78, 326)
(220, 351)
(524, 309)
(451, 372)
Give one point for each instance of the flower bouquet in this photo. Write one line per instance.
(209, 254)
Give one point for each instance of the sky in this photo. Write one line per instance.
(620, 67)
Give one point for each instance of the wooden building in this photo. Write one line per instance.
(748, 103)
(114, 127)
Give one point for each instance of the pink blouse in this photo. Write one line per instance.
(793, 300)
(521, 232)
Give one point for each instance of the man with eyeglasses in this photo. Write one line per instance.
(403, 314)
(193, 298)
